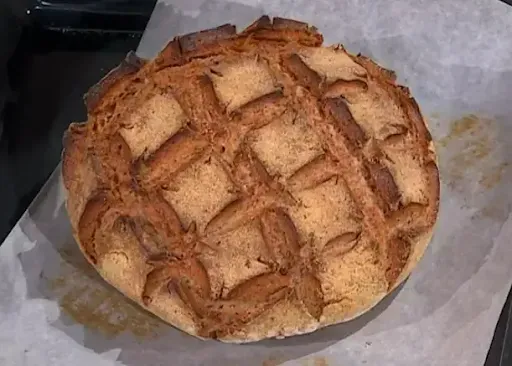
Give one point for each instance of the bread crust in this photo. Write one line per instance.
(251, 185)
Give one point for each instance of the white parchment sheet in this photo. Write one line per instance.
(457, 58)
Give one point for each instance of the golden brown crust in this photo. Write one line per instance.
(130, 65)
(251, 185)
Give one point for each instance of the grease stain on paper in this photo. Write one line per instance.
(494, 176)
(273, 361)
(317, 361)
(320, 361)
(90, 301)
(468, 148)
(468, 124)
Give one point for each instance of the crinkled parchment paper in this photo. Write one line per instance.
(457, 58)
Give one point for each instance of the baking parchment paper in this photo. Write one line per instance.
(457, 58)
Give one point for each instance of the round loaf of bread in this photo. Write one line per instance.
(250, 185)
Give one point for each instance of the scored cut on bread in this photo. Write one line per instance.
(250, 185)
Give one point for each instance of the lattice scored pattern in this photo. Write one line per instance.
(251, 185)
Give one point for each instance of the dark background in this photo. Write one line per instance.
(50, 53)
